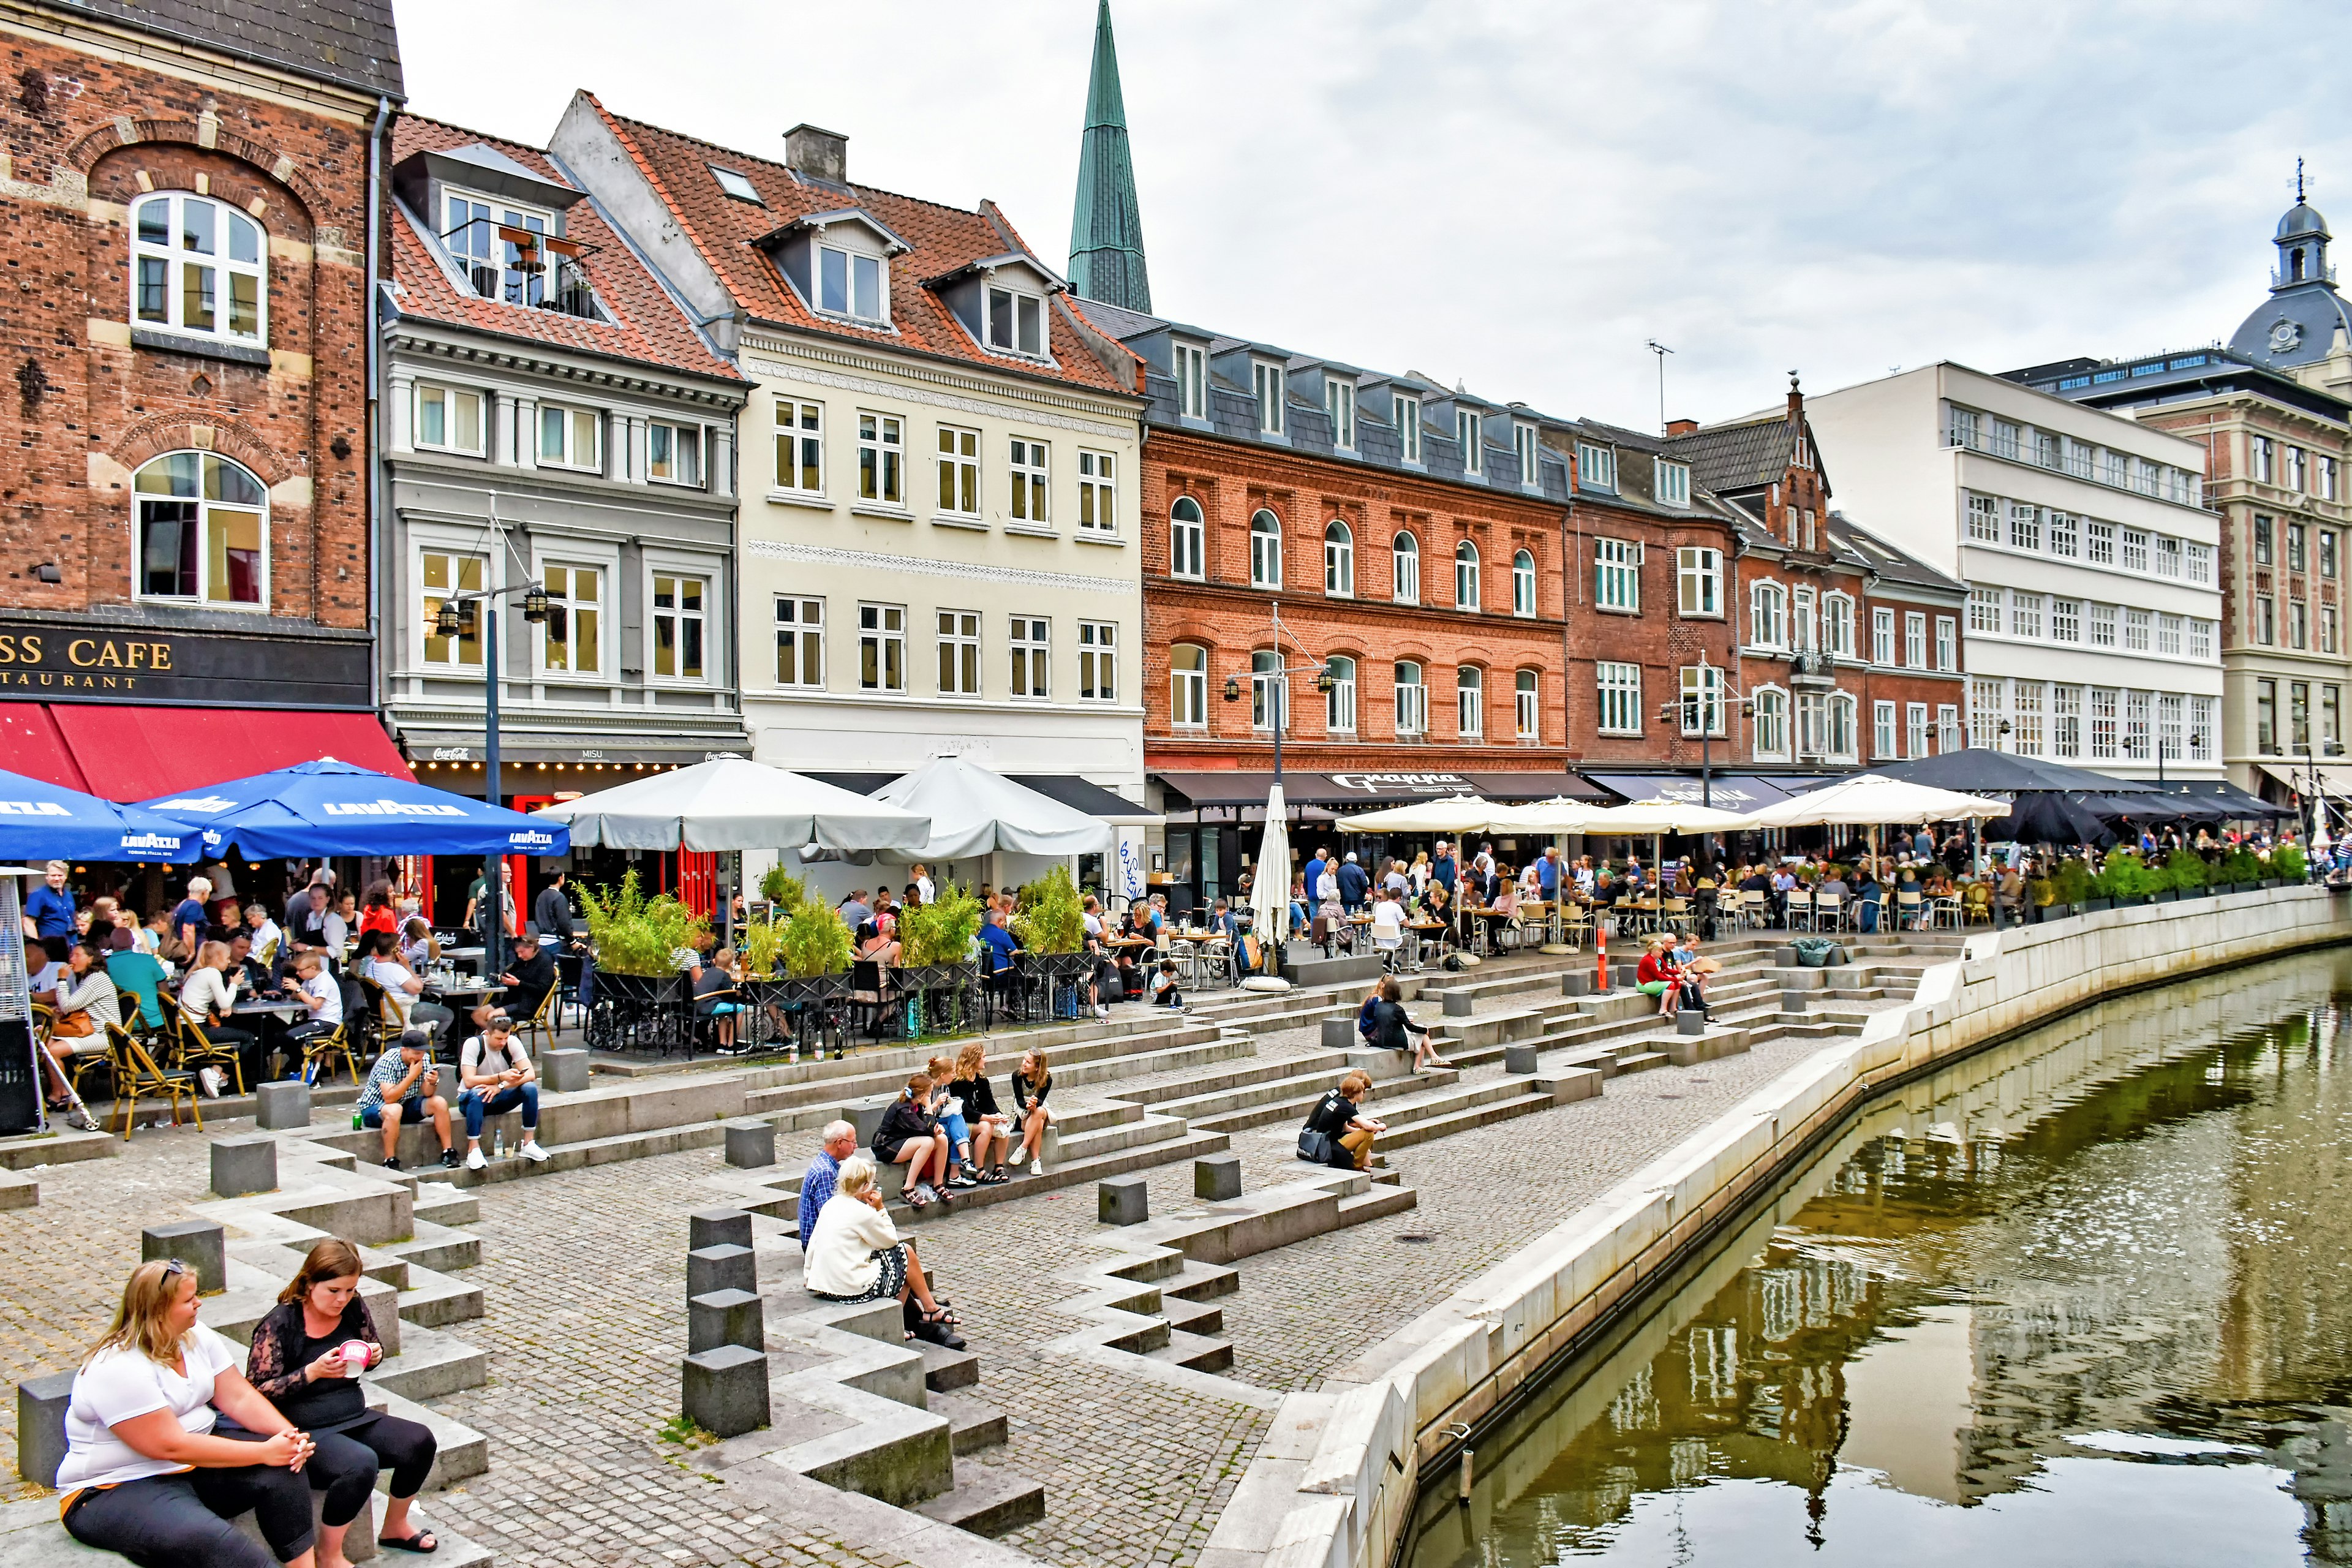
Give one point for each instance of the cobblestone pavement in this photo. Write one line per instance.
(583, 1274)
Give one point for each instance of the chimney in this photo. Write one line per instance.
(1682, 428)
(1796, 397)
(818, 153)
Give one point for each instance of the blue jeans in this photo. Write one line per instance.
(476, 1106)
(959, 1132)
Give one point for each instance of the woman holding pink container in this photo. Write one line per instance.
(308, 1355)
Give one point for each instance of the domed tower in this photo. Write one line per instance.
(2297, 325)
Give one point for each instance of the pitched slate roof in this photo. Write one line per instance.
(1736, 456)
(350, 43)
(943, 238)
(1851, 541)
(646, 325)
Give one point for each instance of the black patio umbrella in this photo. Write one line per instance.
(2048, 816)
(1981, 769)
(2148, 810)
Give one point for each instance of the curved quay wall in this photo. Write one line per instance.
(1334, 1479)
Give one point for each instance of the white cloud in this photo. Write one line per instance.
(1519, 196)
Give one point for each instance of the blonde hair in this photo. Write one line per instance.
(942, 1068)
(971, 1061)
(148, 1295)
(208, 951)
(333, 1258)
(1038, 1073)
(857, 1176)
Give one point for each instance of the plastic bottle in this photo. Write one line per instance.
(499, 1142)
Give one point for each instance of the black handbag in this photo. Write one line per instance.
(1315, 1147)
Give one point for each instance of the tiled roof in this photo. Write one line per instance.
(1739, 456)
(647, 325)
(1891, 562)
(943, 238)
(348, 42)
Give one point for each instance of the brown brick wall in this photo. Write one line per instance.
(1660, 638)
(85, 135)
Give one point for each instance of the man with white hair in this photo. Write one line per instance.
(191, 920)
(840, 1142)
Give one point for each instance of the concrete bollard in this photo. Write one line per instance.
(1519, 1058)
(750, 1144)
(41, 1426)
(721, 1267)
(198, 1243)
(242, 1165)
(1123, 1200)
(1338, 1034)
(567, 1070)
(1457, 1005)
(724, 1318)
(284, 1103)
(1784, 958)
(718, 1228)
(1627, 974)
(1792, 1001)
(1217, 1178)
(18, 1192)
(724, 1391)
(1576, 983)
(868, 1119)
(1690, 1021)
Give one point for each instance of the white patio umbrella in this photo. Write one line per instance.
(1453, 814)
(975, 812)
(1871, 799)
(1270, 888)
(1659, 817)
(732, 802)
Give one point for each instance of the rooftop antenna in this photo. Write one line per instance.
(2298, 179)
(1661, 350)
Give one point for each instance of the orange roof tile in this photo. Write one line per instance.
(646, 325)
(943, 238)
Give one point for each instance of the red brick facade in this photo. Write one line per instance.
(1219, 612)
(95, 121)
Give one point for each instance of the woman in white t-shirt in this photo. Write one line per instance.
(144, 1476)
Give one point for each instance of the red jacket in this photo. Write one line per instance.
(1654, 967)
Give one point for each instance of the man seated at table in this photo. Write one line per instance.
(320, 994)
(996, 942)
(1388, 927)
(1222, 922)
(248, 973)
(379, 959)
(528, 978)
(138, 974)
(855, 910)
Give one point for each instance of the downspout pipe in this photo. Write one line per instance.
(377, 522)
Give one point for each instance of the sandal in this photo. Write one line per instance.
(996, 1175)
(942, 1318)
(412, 1543)
(915, 1199)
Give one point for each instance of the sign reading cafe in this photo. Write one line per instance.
(79, 661)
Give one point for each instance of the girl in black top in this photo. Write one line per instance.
(1030, 1083)
(1337, 1117)
(299, 1365)
(980, 1113)
(910, 1136)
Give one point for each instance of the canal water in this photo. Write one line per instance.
(2083, 1299)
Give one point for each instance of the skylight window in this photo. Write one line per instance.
(736, 185)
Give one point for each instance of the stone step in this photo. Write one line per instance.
(830, 1091)
(944, 1369)
(1642, 1061)
(1291, 1099)
(1521, 1102)
(1191, 1317)
(460, 1452)
(1198, 1351)
(436, 1246)
(988, 1502)
(1064, 1173)
(436, 1300)
(972, 1423)
(431, 1362)
(1172, 1098)
(61, 1147)
(438, 1203)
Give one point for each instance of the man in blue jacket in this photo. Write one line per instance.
(1353, 884)
(1442, 869)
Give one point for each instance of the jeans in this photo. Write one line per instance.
(476, 1106)
(182, 1521)
(345, 1466)
(959, 1133)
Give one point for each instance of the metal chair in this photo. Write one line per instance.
(542, 1022)
(319, 1051)
(1908, 910)
(143, 1077)
(1675, 915)
(196, 1049)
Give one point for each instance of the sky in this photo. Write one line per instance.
(1520, 197)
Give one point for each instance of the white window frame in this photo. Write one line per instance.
(1701, 707)
(178, 267)
(1270, 384)
(2025, 615)
(882, 641)
(1617, 710)
(1986, 616)
(1192, 362)
(1617, 574)
(1673, 483)
(679, 620)
(1339, 403)
(2066, 721)
(1837, 624)
(858, 269)
(1028, 467)
(1914, 639)
(1470, 703)
(1269, 692)
(1698, 581)
(1948, 643)
(1523, 583)
(1187, 539)
(1528, 443)
(736, 184)
(1527, 704)
(1265, 550)
(881, 458)
(2066, 620)
(1405, 413)
(1844, 720)
(1470, 435)
(1883, 732)
(2103, 627)
(2065, 535)
(572, 421)
(1915, 728)
(1030, 661)
(1098, 661)
(1596, 465)
(958, 457)
(1187, 687)
(1467, 574)
(1097, 494)
(959, 669)
(429, 600)
(1338, 559)
(687, 442)
(1412, 699)
(800, 619)
(451, 400)
(565, 602)
(1404, 567)
(2098, 542)
(2134, 550)
(800, 447)
(1025, 317)
(1770, 733)
(1339, 703)
(1767, 615)
(1984, 520)
(1882, 636)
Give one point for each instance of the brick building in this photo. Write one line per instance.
(1843, 650)
(186, 588)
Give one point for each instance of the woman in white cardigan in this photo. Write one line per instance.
(856, 1254)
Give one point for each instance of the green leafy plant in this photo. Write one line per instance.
(2287, 862)
(813, 942)
(782, 888)
(2187, 868)
(2072, 881)
(2238, 865)
(940, 931)
(2042, 891)
(2126, 877)
(634, 934)
(1051, 919)
(763, 941)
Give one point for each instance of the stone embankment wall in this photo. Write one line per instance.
(1335, 1480)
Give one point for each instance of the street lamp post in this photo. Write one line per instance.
(450, 621)
(1278, 702)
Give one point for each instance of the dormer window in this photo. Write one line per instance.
(736, 185)
(1673, 483)
(1525, 443)
(848, 284)
(1471, 432)
(1192, 381)
(1406, 412)
(1268, 382)
(1339, 402)
(1596, 465)
(500, 246)
(1016, 321)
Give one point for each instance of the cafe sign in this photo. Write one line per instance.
(1403, 784)
(75, 661)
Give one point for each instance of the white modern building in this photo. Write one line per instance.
(2094, 594)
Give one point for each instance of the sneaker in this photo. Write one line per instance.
(1037, 1167)
(532, 1152)
(475, 1161)
(963, 1178)
(393, 1164)
(1102, 1010)
(449, 1160)
(210, 1080)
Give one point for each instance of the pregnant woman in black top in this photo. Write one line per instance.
(299, 1362)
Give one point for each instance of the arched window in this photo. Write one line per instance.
(1184, 538)
(1772, 724)
(1338, 559)
(1265, 551)
(1340, 706)
(1466, 576)
(1767, 616)
(199, 267)
(1188, 684)
(1404, 560)
(1523, 583)
(1470, 701)
(203, 531)
(1412, 701)
(1269, 691)
(1527, 686)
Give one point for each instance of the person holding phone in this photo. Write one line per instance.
(404, 1086)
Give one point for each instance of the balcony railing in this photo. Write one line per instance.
(567, 293)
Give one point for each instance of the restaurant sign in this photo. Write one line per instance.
(79, 661)
(1378, 784)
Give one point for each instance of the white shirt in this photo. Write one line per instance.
(205, 993)
(46, 978)
(469, 1057)
(120, 1384)
(394, 979)
(329, 995)
(923, 886)
(336, 932)
(1388, 921)
(1327, 886)
(840, 1256)
(268, 931)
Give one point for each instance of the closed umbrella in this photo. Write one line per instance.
(2048, 816)
(327, 807)
(42, 821)
(1270, 891)
(732, 802)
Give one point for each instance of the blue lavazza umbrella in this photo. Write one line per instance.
(42, 821)
(328, 807)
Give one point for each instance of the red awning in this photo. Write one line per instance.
(31, 744)
(125, 752)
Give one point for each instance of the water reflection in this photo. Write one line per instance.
(2084, 1299)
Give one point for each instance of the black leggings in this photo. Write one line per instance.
(344, 1467)
(182, 1521)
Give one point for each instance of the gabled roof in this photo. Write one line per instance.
(942, 240)
(350, 43)
(647, 325)
(1850, 541)
(866, 220)
(1744, 456)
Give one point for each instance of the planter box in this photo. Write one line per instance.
(800, 991)
(2169, 895)
(2096, 905)
(2269, 882)
(936, 976)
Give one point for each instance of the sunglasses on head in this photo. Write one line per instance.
(172, 1266)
